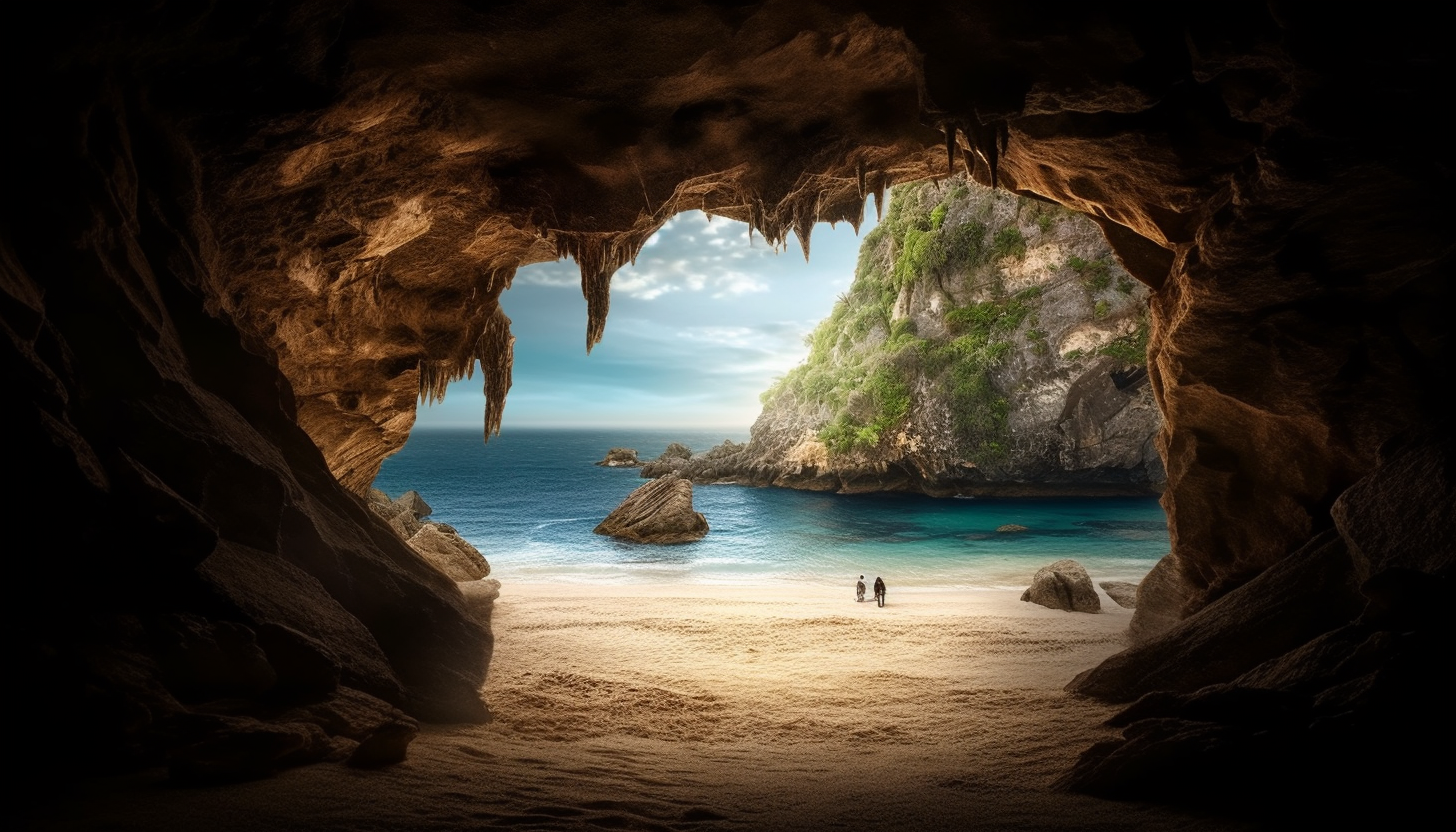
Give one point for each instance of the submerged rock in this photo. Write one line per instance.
(1011, 528)
(621, 458)
(1123, 593)
(1063, 585)
(659, 512)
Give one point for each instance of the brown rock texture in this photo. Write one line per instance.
(621, 458)
(659, 512)
(448, 552)
(1063, 585)
(241, 241)
(1123, 593)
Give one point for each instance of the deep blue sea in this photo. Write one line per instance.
(529, 500)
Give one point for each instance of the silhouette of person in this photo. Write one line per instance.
(880, 591)
(859, 589)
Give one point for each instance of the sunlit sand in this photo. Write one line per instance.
(701, 707)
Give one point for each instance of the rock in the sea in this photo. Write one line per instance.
(1063, 585)
(1011, 528)
(448, 552)
(676, 450)
(621, 458)
(659, 512)
(1124, 593)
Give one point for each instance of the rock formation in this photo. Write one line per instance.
(659, 512)
(241, 241)
(1063, 585)
(1123, 593)
(990, 345)
(621, 458)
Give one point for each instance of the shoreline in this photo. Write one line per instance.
(693, 706)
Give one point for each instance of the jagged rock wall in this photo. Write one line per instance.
(990, 345)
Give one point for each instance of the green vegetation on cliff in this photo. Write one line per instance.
(945, 295)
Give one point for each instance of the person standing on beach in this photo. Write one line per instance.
(880, 591)
(859, 589)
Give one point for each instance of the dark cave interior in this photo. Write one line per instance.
(242, 240)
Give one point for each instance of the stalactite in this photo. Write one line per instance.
(495, 350)
(599, 256)
(879, 196)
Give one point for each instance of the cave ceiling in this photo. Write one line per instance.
(369, 176)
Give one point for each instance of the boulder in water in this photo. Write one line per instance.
(659, 512)
(1063, 585)
(621, 458)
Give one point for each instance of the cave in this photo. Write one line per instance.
(242, 242)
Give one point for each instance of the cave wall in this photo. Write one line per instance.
(241, 240)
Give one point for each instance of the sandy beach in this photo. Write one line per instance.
(717, 707)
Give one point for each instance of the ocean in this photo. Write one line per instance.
(529, 499)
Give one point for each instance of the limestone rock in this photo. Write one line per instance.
(659, 512)
(1160, 598)
(1306, 594)
(1079, 419)
(676, 450)
(412, 502)
(448, 552)
(621, 458)
(1063, 585)
(1123, 593)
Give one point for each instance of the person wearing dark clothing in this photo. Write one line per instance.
(880, 591)
(859, 589)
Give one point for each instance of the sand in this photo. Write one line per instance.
(705, 707)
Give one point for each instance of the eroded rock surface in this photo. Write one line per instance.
(1063, 585)
(659, 512)
(989, 345)
(1123, 593)
(242, 240)
(621, 458)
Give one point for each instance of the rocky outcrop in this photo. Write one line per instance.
(1161, 597)
(1063, 585)
(989, 345)
(1122, 593)
(659, 512)
(1333, 655)
(621, 458)
(448, 552)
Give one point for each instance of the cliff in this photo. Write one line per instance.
(989, 345)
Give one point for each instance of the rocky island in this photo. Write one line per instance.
(990, 345)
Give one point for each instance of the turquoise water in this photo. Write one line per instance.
(530, 498)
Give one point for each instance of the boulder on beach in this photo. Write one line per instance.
(1124, 593)
(448, 552)
(1063, 585)
(412, 501)
(659, 512)
(621, 458)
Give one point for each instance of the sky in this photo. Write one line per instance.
(703, 322)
